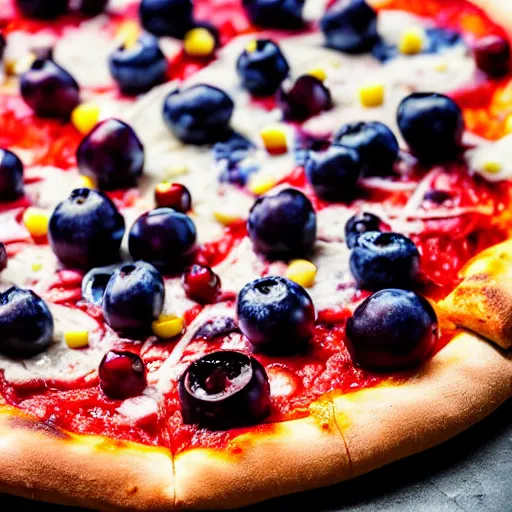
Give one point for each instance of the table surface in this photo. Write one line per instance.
(471, 473)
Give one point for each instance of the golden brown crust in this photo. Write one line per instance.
(39, 461)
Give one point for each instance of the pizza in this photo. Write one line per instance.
(248, 248)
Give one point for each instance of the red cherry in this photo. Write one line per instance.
(201, 284)
(492, 55)
(122, 374)
(173, 195)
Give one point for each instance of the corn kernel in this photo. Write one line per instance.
(302, 272)
(76, 339)
(36, 221)
(199, 42)
(274, 139)
(129, 33)
(492, 167)
(318, 73)
(260, 185)
(168, 326)
(85, 117)
(371, 95)
(508, 124)
(226, 217)
(36, 266)
(251, 46)
(411, 41)
(87, 182)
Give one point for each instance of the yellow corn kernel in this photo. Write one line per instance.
(226, 217)
(36, 266)
(492, 167)
(76, 339)
(128, 33)
(274, 139)
(260, 185)
(199, 42)
(87, 182)
(318, 73)
(85, 117)
(371, 95)
(251, 46)
(36, 221)
(302, 272)
(508, 124)
(411, 41)
(168, 326)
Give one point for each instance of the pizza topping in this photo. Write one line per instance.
(492, 55)
(432, 125)
(412, 41)
(384, 260)
(122, 375)
(285, 14)
(95, 282)
(49, 90)
(350, 26)
(112, 155)
(358, 224)
(282, 225)
(36, 221)
(274, 138)
(276, 315)
(392, 329)
(216, 327)
(223, 390)
(85, 117)
(139, 67)
(76, 339)
(173, 195)
(302, 272)
(42, 9)
(133, 298)
(167, 17)
(26, 323)
(201, 284)
(11, 176)
(334, 173)
(375, 144)
(262, 67)
(86, 230)
(164, 237)
(199, 115)
(200, 42)
(371, 94)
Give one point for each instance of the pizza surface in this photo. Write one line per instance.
(247, 248)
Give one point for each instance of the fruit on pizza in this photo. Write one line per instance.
(216, 327)
(358, 224)
(11, 176)
(276, 314)
(86, 229)
(95, 281)
(392, 329)
(167, 17)
(42, 9)
(224, 389)
(493, 55)
(112, 155)
(26, 323)
(3, 256)
(133, 298)
(233, 158)
(199, 114)
(201, 284)
(285, 14)
(173, 195)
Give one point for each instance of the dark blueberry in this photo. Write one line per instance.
(216, 327)
(262, 68)
(139, 68)
(230, 157)
(173, 195)
(3, 256)
(492, 55)
(224, 389)
(285, 14)
(3, 44)
(95, 282)
(306, 142)
(49, 90)
(334, 173)
(384, 260)
(91, 7)
(283, 225)
(167, 17)
(164, 237)
(276, 315)
(303, 99)
(122, 375)
(201, 284)
(432, 125)
(358, 224)
(42, 9)
(11, 176)
(375, 144)
(26, 323)
(86, 230)
(199, 114)
(134, 297)
(392, 329)
(112, 155)
(350, 26)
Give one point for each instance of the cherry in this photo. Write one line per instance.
(173, 195)
(492, 55)
(201, 284)
(122, 374)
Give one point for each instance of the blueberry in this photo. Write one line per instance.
(91, 7)
(167, 17)
(49, 90)
(11, 176)
(3, 256)
(283, 225)
(375, 144)
(86, 229)
(392, 329)
(492, 55)
(26, 323)
(334, 173)
(263, 69)
(216, 327)
(199, 114)
(95, 282)
(276, 315)
(350, 26)
(112, 155)
(134, 297)
(384, 260)
(358, 224)
(286, 14)
(139, 68)
(233, 159)
(122, 375)
(432, 125)
(164, 237)
(42, 9)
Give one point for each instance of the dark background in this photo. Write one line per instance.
(471, 473)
